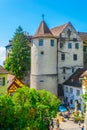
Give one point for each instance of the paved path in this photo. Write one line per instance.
(69, 125)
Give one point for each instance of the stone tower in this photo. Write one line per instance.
(44, 60)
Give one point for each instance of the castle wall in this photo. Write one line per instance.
(69, 63)
(45, 63)
(44, 66)
(48, 82)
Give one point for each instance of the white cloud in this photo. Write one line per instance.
(2, 55)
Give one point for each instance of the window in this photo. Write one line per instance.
(40, 42)
(62, 56)
(41, 80)
(42, 52)
(67, 89)
(61, 45)
(74, 39)
(72, 70)
(77, 92)
(75, 57)
(84, 48)
(64, 70)
(52, 42)
(69, 32)
(77, 45)
(69, 45)
(71, 90)
(2, 81)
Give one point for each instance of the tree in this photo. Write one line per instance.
(28, 109)
(19, 59)
(39, 106)
(6, 112)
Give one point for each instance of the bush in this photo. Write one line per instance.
(77, 116)
(27, 109)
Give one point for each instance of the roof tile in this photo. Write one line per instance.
(57, 30)
(73, 80)
(3, 71)
(43, 31)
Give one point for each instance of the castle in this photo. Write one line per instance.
(55, 55)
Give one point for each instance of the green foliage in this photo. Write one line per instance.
(6, 112)
(19, 59)
(28, 109)
(85, 100)
(7, 64)
(85, 97)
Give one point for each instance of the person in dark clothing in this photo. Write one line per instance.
(82, 128)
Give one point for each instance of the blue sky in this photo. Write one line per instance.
(27, 13)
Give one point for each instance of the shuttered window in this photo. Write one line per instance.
(2, 81)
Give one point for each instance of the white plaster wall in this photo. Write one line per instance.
(49, 83)
(46, 63)
(73, 95)
(69, 62)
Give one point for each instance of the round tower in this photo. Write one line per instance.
(44, 60)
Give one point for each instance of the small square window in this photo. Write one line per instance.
(41, 80)
(40, 42)
(42, 52)
(52, 42)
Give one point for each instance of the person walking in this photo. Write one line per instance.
(82, 127)
(79, 123)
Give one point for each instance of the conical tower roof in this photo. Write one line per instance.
(43, 31)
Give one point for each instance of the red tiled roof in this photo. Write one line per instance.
(84, 74)
(10, 79)
(57, 30)
(43, 31)
(74, 78)
(3, 71)
(83, 35)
